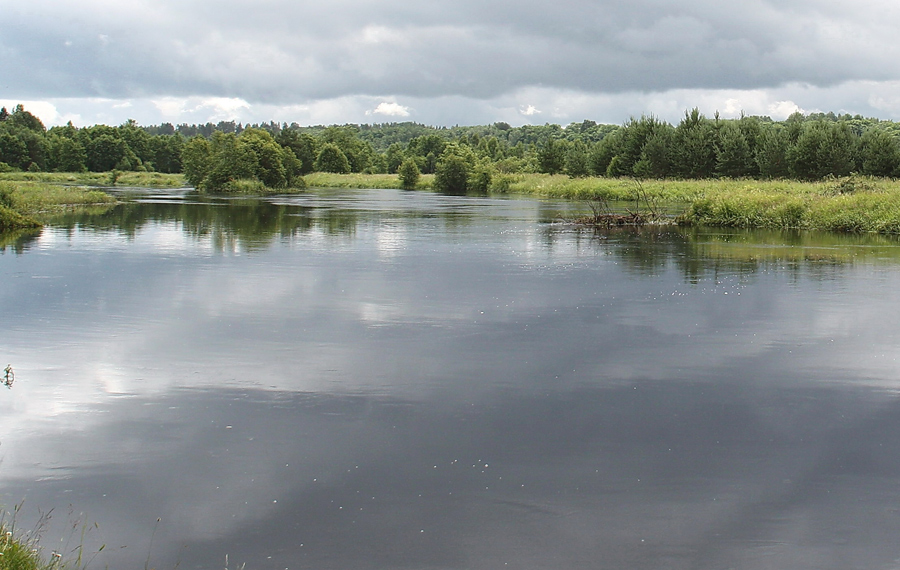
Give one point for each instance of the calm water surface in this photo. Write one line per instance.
(379, 379)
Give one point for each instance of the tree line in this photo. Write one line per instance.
(806, 147)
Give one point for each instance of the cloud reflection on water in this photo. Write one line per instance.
(506, 393)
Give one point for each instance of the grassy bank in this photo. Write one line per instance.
(379, 181)
(859, 206)
(136, 179)
(23, 203)
(853, 204)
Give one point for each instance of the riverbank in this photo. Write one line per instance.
(105, 179)
(24, 203)
(853, 204)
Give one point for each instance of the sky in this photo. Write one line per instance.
(440, 63)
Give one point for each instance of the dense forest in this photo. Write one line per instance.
(212, 156)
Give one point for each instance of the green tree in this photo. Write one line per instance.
(303, 145)
(632, 138)
(480, 176)
(771, 152)
(603, 152)
(104, 152)
(394, 156)
(138, 141)
(427, 148)
(409, 174)
(66, 154)
(270, 157)
(166, 151)
(734, 158)
(20, 118)
(551, 156)
(453, 169)
(358, 153)
(655, 160)
(196, 160)
(13, 151)
(332, 159)
(577, 160)
(694, 150)
(879, 153)
(231, 159)
(822, 148)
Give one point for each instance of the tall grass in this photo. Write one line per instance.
(21, 201)
(253, 187)
(137, 179)
(31, 197)
(377, 181)
(18, 554)
(853, 204)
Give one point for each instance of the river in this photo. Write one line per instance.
(378, 379)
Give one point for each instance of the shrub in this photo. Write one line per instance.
(332, 159)
(452, 174)
(409, 174)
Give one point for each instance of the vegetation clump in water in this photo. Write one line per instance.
(22, 202)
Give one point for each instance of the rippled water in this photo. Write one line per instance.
(385, 379)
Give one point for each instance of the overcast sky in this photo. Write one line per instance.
(444, 63)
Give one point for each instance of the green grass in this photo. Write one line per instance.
(253, 187)
(35, 197)
(19, 554)
(149, 180)
(853, 204)
(137, 179)
(13, 220)
(378, 181)
(22, 203)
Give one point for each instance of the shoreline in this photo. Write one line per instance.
(853, 204)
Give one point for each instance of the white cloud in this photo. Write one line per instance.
(781, 110)
(44, 110)
(562, 106)
(390, 109)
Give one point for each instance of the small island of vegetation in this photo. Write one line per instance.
(818, 171)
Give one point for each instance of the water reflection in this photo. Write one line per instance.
(451, 382)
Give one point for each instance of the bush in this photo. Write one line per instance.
(12, 220)
(480, 178)
(452, 174)
(244, 186)
(409, 174)
(332, 159)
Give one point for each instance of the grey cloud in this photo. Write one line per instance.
(283, 52)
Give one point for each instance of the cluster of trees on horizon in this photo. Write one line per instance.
(806, 147)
